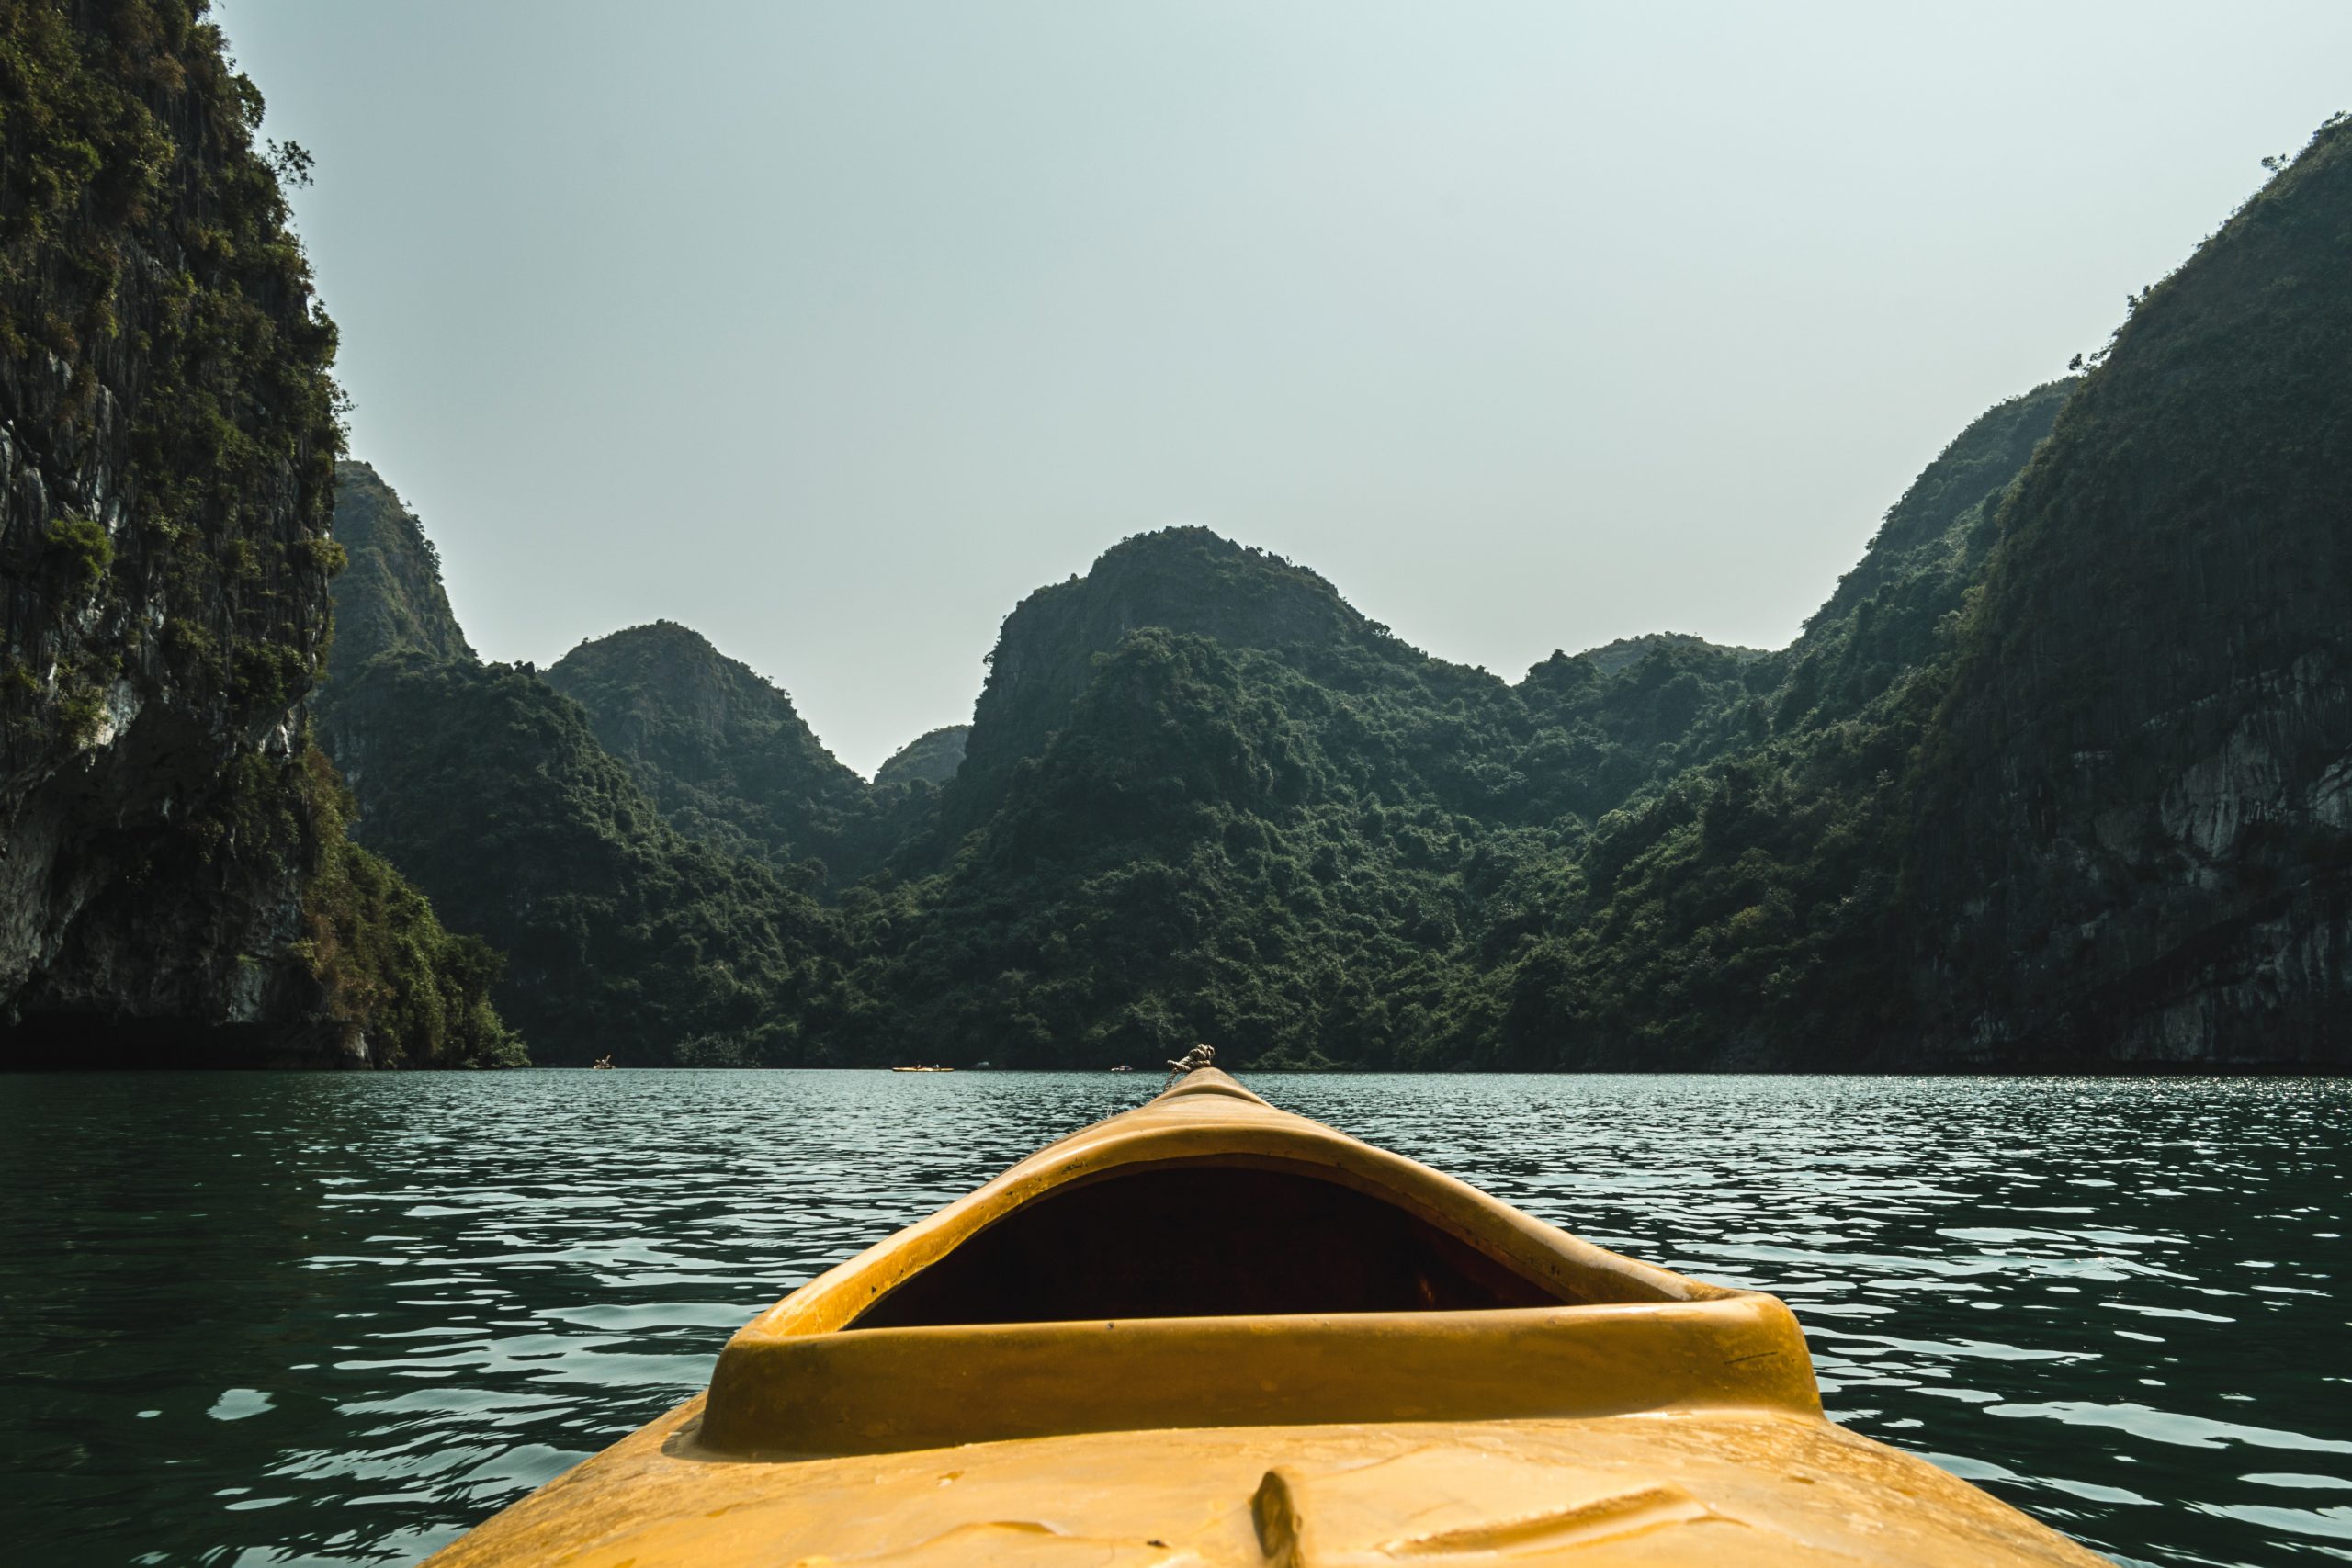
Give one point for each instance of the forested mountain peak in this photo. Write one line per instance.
(1610, 657)
(1191, 579)
(933, 757)
(1187, 580)
(390, 594)
(719, 747)
(662, 673)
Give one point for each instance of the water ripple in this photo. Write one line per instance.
(335, 1320)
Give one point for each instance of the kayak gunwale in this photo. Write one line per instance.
(1209, 1118)
(895, 1389)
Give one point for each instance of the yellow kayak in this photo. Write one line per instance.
(1209, 1332)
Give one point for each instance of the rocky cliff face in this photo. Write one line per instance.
(166, 442)
(2134, 844)
(173, 881)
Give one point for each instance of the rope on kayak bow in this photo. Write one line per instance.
(1198, 1056)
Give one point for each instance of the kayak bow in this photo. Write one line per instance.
(1209, 1332)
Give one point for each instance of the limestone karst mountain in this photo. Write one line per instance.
(2133, 840)
(721, 752)
(174, 883)
(2061, 788)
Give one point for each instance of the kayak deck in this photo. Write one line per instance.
(1724, 1488)
(1211, 1332)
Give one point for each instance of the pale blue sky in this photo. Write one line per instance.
(833, 330)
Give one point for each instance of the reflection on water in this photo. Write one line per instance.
(253, 1319)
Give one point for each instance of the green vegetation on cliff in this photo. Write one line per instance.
(170, 858)
(2133, 832)
(422, 994)
(489, 788)
(389, 594)
(154, 306)
(1744, 912)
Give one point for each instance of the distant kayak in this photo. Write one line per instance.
(1209, 1332)
(922, 1069)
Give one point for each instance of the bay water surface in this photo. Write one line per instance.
(251, 1319)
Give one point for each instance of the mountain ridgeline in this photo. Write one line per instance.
(2057, 777)
(2054, 778)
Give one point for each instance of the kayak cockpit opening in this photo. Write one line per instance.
(1192, 1239)
(1207, 1260)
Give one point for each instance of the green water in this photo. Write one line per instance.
(254, 1319)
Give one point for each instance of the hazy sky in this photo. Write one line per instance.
(832, 330)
